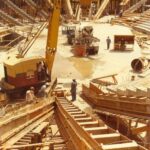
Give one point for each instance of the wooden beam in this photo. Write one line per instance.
(32, 145)
(123, 146)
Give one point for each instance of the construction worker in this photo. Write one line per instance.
(120, 13)
(40, 70)
(42, 91)
(30, 95)
(122, 44)
(73, 89)
(108, 41)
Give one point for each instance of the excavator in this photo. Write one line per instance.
(21, 73)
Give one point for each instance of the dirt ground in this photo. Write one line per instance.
(66, 65)
(106, 62)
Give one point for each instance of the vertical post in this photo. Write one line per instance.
(118, 122)
(129, 127)
(147, 137)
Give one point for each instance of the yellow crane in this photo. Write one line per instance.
(53, 35)
(21, 73)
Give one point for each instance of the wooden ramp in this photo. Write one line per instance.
(83, 131)
(101, 9)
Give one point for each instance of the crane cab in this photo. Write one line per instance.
(23, 72)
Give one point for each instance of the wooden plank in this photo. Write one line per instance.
(122, 146)
(40, 128)
(33, 145)
(75, 113)
(89, 124)
(78, 115)
(95, 89)
(139, 130)
(72, 110)
(97, 130)
(84, 119)
(106, 138)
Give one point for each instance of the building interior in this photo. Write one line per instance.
(75, 75)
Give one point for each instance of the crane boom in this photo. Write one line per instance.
(52, 37)
(21, 73)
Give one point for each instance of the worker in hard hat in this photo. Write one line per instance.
(73, 89)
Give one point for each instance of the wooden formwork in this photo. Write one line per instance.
(130, 105)
(85, 132)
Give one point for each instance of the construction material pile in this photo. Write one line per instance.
(86, 43)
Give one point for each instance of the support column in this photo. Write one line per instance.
(147, 137)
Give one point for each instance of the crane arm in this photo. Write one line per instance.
(52, 37)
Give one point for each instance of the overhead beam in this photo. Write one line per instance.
(101, 9)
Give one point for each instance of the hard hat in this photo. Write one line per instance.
(32, 88)
(47, 84)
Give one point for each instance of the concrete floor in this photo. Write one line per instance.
(106, 62)
(68, 66)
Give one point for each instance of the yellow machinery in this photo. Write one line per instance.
(21, 73)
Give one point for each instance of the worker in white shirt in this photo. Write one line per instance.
(30, 97)
(42, 91)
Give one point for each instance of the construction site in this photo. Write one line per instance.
(75, 75)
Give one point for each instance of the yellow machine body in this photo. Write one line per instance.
(23, 72)
(53, 35)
